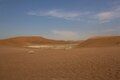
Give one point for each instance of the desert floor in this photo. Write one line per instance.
(75, 64)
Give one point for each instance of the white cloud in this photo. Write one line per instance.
(62, 14)
(107, 16)
(66, 35)
(102, 16)
(67, 15)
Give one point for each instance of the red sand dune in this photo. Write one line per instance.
(36, 40)
(101, 41)
(31, 40)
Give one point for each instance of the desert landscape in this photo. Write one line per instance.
(93, 61)
(59, 39)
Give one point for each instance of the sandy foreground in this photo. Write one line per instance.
(75, 64)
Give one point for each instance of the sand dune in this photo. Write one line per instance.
(29, 40)
(105, 41)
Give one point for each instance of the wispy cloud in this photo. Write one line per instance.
(67, 15)
(102, 16)
(65, 34)
(107, 16)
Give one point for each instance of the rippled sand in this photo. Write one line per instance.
(75, 64)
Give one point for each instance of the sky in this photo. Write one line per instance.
(59, 19)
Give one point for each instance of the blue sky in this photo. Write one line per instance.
(59, 19)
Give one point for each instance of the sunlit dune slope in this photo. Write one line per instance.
(101, 41)
(29, 40)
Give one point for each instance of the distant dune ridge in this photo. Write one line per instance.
(103, 41)
(29, 40)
